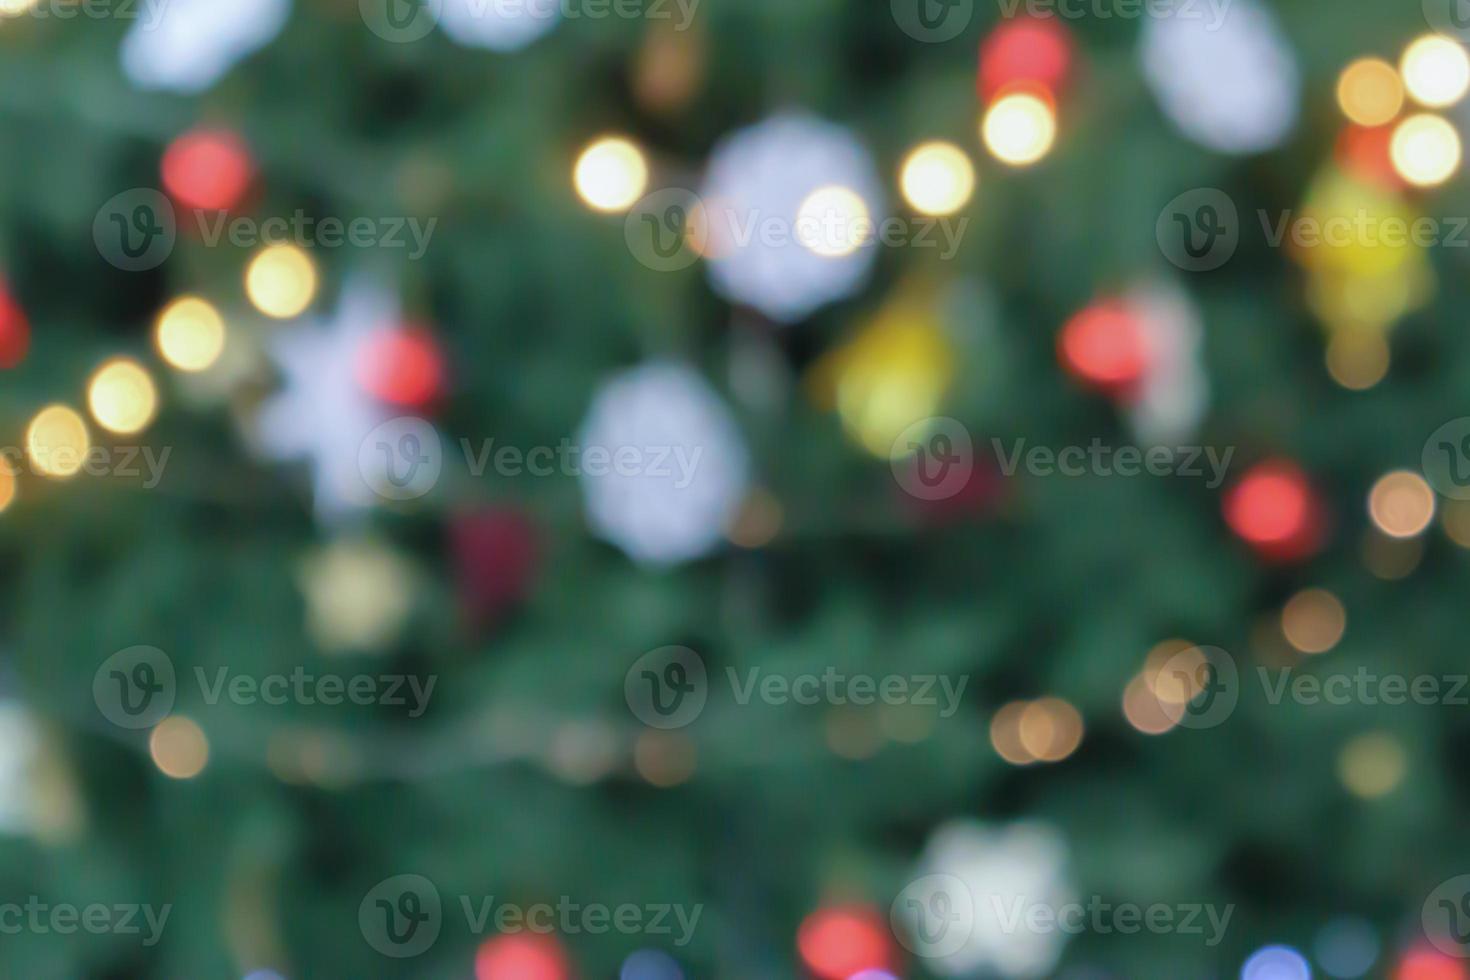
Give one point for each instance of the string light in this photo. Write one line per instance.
(1372, 765)
(1425, 150)
(1401, 504)
(121, 396)
(937, 178)
(1313, 621)
(57, 442)
(1369, 92)
(281, 281)
(179, 748)
(1436, 71)
(190, 334)
(1019, 129)
(834, 221)
(611, 175)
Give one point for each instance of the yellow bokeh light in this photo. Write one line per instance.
(122, 396)
(1050, 729)
(1357, 360)
(1372, 765)
(1019, 129)
(937, 178)
(179, 748)
(1425, 150)
(190, 334)
(57, 442)
(611, 175)
(1143, 709)
(14, 8)
(1369, 92)
(281, 281)
(1401, 504)
(1313, 621)
(1005, 734)
(1436, 71)
(834, 221)
(8, 485)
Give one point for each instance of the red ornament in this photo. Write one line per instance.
(1364, 153)
(1429, 964)
(15, 331)
(1275, 510)
(521, 956)
(1105, 347)
(403, 366)
(1030, 51)
(496, 555)
(207, 169)
(836, 943)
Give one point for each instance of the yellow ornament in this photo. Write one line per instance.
(358, 595)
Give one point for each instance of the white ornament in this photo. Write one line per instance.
(1175, 392)
(1006, 873)
(1229, 82)
(792, 206)
(500, 25)
(323, 414)
(188, 45)
(662, 463)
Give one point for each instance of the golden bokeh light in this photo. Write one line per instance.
(611, 175)
(121, 396)
(1050, 729)
(1358, 360)
(281, 281)
(1436, 71)
(1425, 150)
(8, 485)
(1372, 765)
(664, 759)
(1005, 734)
(937, 178)
(179, 748)
(189, 334)
(14, 8)
(1175, 672)
(57, 442)
(1369, 92)
(1019, 129)
(1143, 709)
(1401, 504)
(834, 221)
(1454, 517)
(1313, 621)
(1391, 558)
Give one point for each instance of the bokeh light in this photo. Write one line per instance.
(1276, 963)
(281, 281)
(664, 759)
(1144, 711)
(1005, 734)
(1025, 51)
(1050, 729)
(1391, 558)
(834, 221)
(611, 175)
(835, 943)
(1401, 504)
(207, 169)
(1019, 128)
(1436, 71)
(178, 747)
(1357, 360)
(1430, 964)
(1369, 92)
(122, 396)
(1104, 347)
(9, 485)
(1372, 765)
(937, 178)
(57, 442)
(190, 334)
(1274, 509)
(1425, 150)
(521, 956)
(1313, 621)
(1346, 948)
(650, 964)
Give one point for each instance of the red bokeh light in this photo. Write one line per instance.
(1274, 509)
(1033, 51)
(521, 956)
(1428, 964)
(1364, 152)
(15, 330)
(1104, 347)
(402, 367)
(207, 169)
(836, 943)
